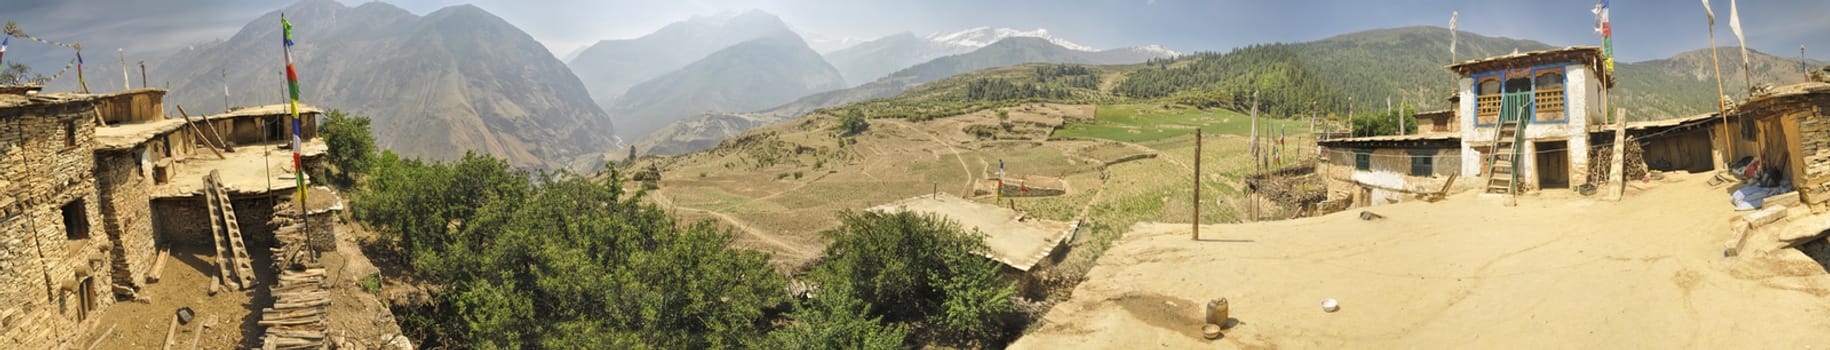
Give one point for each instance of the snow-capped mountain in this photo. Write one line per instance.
(982, 36)
(1155, 49)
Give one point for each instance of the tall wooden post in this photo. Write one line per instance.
(1197, 218)
(1728, 142)
(1617, 184)
(126, 84)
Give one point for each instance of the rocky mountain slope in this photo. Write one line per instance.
(749, 76)
(455, 80)
(610, 67)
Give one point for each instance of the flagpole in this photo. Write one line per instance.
(292, 86)
(1715, 58)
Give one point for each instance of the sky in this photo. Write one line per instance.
(1644, 29)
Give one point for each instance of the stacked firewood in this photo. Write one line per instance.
(297, 319)
(1601, 160)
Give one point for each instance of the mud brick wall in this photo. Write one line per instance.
(46, 162)
(124, 189)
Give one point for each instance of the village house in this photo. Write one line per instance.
(1787, 133)
(94, 186)
(1532, 121)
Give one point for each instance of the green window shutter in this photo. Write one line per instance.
(1423, 164)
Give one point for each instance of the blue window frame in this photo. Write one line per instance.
(1500, 75)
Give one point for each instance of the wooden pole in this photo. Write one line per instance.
(142, 74)
(199, 134)
(1350, 116)
(1196, 228)
(125, 82)
(1617, 184)
(170, 330)
(1728, 142)
(211, 129)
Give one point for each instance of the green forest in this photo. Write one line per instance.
(520, 259)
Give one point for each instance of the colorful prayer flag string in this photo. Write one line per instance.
(292, 87)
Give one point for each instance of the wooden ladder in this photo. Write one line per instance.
(1503, 158)
(232, 259)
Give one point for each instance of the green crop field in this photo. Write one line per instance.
(1145, 122)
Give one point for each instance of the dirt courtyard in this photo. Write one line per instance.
(1647, 272)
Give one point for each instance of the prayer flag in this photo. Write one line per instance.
(1734, 23)
(292, 87)
(1607, 34)
(1454, 17)
(79, 71)
(1712, 13)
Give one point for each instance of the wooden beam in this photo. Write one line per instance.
(212, 130)
(199, 135)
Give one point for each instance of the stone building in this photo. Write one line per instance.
(54, 255)
(93, 186)
(1788, 131)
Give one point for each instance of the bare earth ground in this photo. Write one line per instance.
(1646, 272)
(227, 319)
(771, 210)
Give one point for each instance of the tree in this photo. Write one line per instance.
(14, 73)
(919, 269)
(352, 146)
(562, 261)
(852, 122)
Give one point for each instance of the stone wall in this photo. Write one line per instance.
(47, 162)
(122, 184)
(183, 222)
(321, 232)
(1814, 129)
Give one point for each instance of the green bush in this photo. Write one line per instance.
(919, 270)
(836, 319)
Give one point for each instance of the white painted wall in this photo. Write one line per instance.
(1583, 91)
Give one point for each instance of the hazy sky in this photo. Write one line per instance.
(1645, 29)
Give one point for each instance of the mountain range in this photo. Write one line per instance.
(708, 130)
(748, 76)
(610, 68)
(457, 79)
(460, 79)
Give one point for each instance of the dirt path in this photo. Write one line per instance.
(963, 168)
(753, 232)
(1466, 272)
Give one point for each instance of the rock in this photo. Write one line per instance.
(1798, 231)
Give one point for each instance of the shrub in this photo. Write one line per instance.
(919, 269)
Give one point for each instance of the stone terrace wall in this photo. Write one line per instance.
(126, 206)
(183, 222)
(39, 173)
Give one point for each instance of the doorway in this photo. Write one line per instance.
(1553, 164)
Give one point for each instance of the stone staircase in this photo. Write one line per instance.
(232, 261)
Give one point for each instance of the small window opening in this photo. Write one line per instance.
(76, 220)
